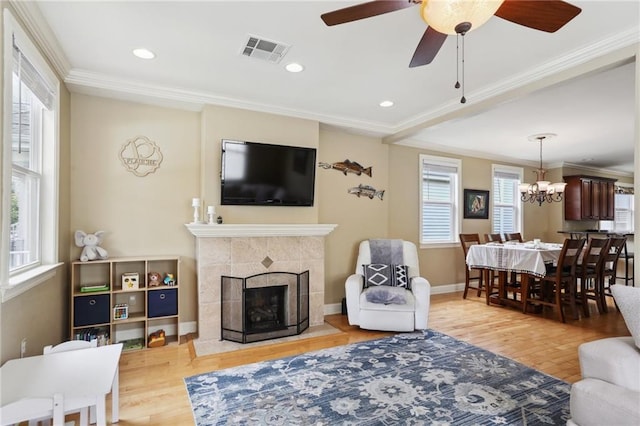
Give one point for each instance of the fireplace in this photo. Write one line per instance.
(241, 250)
(264, 306)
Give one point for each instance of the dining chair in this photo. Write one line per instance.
(513, 284)
(71, 345)
(558, 285)
(628, 257)
(466, 241)
(513, 236)
(589, 271)
(492, 238)
(610, 268)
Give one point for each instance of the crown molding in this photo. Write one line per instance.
(620, 45)
(30, 16)
(83, 81)
(503, 158)
(596, 169)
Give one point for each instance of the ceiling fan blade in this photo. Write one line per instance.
(428, 48)
(543, 15)
(364, 10)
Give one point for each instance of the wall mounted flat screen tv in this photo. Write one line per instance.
(259, 174)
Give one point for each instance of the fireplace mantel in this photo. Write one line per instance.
(260, 230)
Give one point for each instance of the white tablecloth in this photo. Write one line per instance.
(521, 257)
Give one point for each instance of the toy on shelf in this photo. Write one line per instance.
(121, 311)
(90, 244)
(130, 281)
(169, 279)
(157, 339)
(155, 279)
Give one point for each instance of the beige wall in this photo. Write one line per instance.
(229, 123)
(41, 314)
(357, 218)
(141, 215)
(445, 265)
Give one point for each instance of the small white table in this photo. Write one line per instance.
(83, 376)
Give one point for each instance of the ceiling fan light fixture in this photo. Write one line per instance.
(445, 15)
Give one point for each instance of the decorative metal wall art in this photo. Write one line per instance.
(347, 166)
(366, 191)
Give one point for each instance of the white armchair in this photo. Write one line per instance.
(399, 309)
(609, 392)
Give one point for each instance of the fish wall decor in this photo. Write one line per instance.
(347, 166)
(366, 191)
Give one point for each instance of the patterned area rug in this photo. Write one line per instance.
(414, 378)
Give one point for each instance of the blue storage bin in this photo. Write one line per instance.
(162, 303)
(90, 310)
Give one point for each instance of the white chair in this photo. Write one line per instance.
(609, 392)
(14, 413)
(72, 403)
(387, 308)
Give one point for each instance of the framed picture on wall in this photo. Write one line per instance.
(476, 204)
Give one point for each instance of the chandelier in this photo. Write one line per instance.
(542, 190)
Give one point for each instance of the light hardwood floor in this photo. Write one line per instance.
(152, 389)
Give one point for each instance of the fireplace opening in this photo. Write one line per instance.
(264, 306)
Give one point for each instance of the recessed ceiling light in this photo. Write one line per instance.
(386, 104)
(294, 67)
(144, 53)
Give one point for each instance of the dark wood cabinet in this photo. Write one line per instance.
(589, 198)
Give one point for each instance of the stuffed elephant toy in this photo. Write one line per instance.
(90, 244)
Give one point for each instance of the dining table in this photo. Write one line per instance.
(32, 387)
(528, 259)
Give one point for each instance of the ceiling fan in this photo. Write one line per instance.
(446, 17)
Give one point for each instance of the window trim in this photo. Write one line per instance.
(520, 213)
(448, 162)
(11, 285)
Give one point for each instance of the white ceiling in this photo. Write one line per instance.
(350, 68)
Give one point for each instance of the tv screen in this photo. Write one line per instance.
(267, 175)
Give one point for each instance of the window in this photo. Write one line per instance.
(439, 192)
(507, 207)
(623, 219)
(30, 155)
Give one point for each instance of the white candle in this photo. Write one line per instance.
(211, 210)
(195, 202)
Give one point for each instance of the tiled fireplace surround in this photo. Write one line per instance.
(240, 251)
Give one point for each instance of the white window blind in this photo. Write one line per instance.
(439, 195)
(506, 200)
(623, 219)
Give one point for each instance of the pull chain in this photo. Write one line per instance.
(463, 99)
(457, 85)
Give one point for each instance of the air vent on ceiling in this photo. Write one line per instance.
(267, 50)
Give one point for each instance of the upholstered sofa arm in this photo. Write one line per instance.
(353, 287)
(421, 289)
(615, 360)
